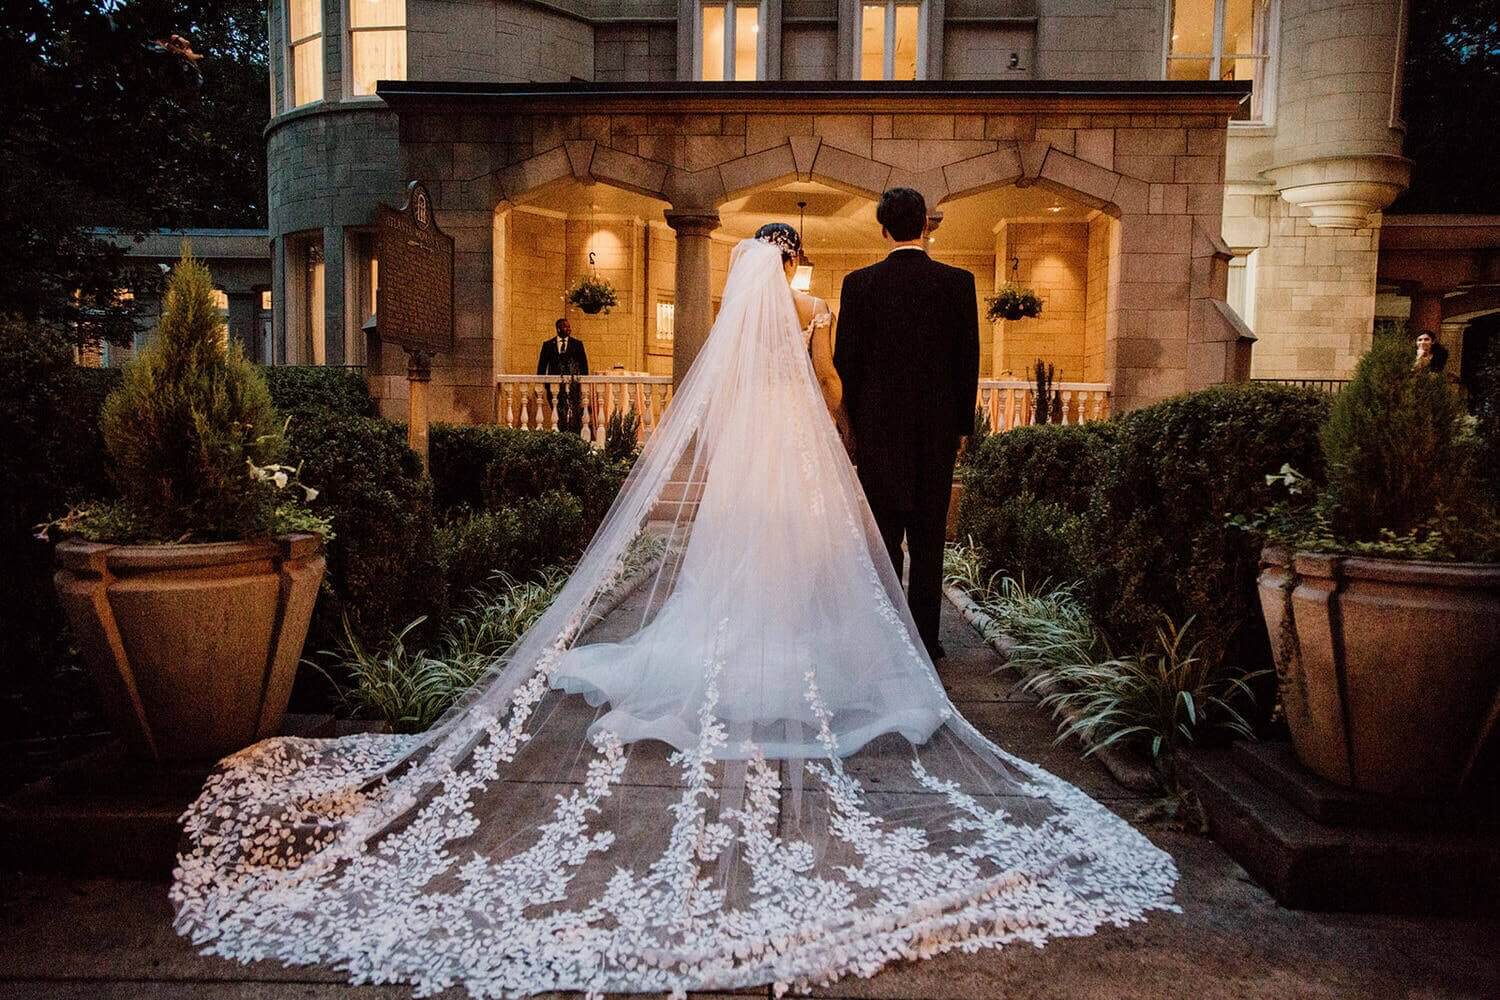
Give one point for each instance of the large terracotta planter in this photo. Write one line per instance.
(1390, 670)
(194, 647)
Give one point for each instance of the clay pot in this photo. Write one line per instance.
(1389, 669)
(194, 647)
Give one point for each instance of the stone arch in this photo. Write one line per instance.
(588, 162)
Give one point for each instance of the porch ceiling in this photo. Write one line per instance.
(912, 96)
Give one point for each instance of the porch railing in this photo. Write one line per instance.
(1010, 404)
(1332, 386)
(530, 402)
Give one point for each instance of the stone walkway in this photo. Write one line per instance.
(112, 939)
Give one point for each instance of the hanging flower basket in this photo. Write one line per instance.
(1013, 302)
(592, 294)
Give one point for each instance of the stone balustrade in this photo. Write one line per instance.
(530, 402)
(1012, 403)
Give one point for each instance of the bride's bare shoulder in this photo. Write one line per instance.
(810, 308)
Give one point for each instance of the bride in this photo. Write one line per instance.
(719, 760)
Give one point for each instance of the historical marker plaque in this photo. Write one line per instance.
(414, 305)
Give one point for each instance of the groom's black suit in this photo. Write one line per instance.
(908, 355)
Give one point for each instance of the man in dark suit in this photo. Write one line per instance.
(908, 355)
(564, 355)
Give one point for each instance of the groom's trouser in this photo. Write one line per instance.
(924, 525)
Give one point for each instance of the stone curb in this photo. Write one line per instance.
(1128, 769)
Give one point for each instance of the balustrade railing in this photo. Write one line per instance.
(1012, 403)
(535, 402)
(532, 402)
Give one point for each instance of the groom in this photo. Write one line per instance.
(908, 355)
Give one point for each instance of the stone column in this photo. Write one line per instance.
(334, 282)
(694, 309)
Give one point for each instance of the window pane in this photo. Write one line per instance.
(906, 42)
(377, 55)
(713, 43)
(1187, 69)
(307, 72)
(872, 42)
(1192, 29)
(315, 343)
(746, 41)
(305, 18)
(377, 13)
(1239, 26)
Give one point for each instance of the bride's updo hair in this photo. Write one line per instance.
(783, 237)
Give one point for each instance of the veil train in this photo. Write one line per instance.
(718, 760)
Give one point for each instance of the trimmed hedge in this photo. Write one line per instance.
(383, 565)
(485, 467)
(1138, 509)
(521, 540)
(301, 388)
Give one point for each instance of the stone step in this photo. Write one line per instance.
(107, 813)
(1307, 864)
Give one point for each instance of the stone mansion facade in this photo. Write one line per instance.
(1194, 187)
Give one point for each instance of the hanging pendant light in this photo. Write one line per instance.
(802, 277)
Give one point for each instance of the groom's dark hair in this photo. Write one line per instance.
(902, 212)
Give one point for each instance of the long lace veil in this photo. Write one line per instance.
(718, 759)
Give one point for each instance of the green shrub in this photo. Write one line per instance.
(621, 436)
(522, 540)
(1398, 448)
(298, 388)
(383, 568)
(188, 417)
(1484, 400)
(52, 458)
(487, 468)
(1159, 534)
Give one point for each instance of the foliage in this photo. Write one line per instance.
(977, 437)
(621, 436)
(1451, 104)
(52, 458)
(296, 389)
(410, 687)
(1403, 478)
(1011, 301)
(88, 90)
(383, 567)
(488, 467)
(1164, 697)
(1046, 401)
(592, 294)
(523, 538)
(1484, 399)
(1159, 537)
(190, 425)
(1028, 491)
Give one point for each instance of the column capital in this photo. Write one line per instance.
(693, 221)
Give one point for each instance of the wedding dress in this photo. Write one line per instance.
(718, 760)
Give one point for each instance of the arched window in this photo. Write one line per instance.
(377, 44)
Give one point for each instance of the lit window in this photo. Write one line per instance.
(666, 320)
(304, 32)
(890, 41)
(377, 49)
(1224, 40)
(221, 303)
(730, 47)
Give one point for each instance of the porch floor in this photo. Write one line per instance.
(110, 939)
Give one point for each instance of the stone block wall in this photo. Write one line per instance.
(1054, 263)
(1107, 40)
(983, 52)
(487, 40)
(644, 51)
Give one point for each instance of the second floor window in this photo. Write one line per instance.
(729, 42)
(304, 32)
(1224, 40)
(890, 35)
(377, 43)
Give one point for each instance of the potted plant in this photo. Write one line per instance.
(191, 595)
(593, 295)
(1381, 589)
(1013, 302)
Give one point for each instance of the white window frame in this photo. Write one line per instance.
(888, 67)
(290, 58)
(350, 31)
(729, 31)
(1266, 88)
